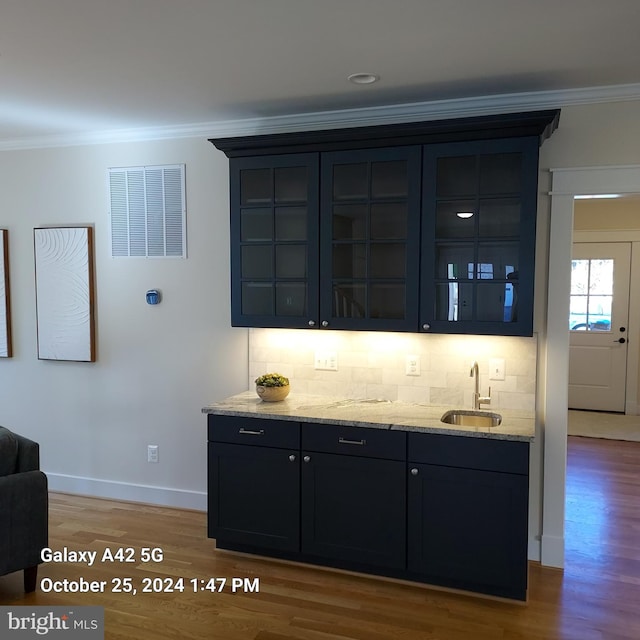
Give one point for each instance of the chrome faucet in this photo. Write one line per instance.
(478, 400)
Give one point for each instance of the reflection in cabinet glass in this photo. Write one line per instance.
(479, 228)
(274, 240)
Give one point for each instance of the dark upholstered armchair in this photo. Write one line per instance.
(24, 507)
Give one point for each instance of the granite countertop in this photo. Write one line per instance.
(375, 414)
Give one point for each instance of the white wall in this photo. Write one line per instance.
(156, 366)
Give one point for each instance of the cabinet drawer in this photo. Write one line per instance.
(254, 431)
(470, 453)
(354, 441)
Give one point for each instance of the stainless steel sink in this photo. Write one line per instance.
(464, 418)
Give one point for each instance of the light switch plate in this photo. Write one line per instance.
(496, 369)
(326, 361)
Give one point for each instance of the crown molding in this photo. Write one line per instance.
(344, 118)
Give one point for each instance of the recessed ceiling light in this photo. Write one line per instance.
(363, 78)
(464, 214)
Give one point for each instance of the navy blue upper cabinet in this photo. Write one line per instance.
(274, 241)
(426, 226)
(478, 237)
(369, 248)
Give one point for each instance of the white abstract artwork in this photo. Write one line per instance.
(5, 319)
(64, 293)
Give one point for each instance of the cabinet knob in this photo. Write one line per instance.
(312, 323)
(426, 326)
(325, 323)
(292, 458)
(307, 458)
(414, 472)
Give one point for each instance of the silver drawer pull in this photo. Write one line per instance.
(249, 432)
(358, 442)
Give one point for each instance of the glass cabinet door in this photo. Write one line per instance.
(274, 240)
(370, 245)
(479, 236)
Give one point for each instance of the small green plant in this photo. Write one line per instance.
(272, 380)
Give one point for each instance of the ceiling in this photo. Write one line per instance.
(74, 68)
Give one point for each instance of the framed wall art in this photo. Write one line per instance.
(65, 293)
(5, 298)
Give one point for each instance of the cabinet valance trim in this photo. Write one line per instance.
(540, 124)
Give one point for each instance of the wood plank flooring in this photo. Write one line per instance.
(597, 597)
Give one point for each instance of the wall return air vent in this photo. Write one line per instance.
(148, 213)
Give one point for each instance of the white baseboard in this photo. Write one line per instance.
(161, 496)
(534, 550)
(552, 551)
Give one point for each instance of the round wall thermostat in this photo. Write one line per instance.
(153, 296)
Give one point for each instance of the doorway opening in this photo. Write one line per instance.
(566, 184)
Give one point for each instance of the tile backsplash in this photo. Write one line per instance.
(374, 365)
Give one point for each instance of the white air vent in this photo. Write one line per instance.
(148, 215)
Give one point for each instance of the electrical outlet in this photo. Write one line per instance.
(326, 360)
(152, 453)
(496, 369)
(412, 366)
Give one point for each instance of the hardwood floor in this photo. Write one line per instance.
(596, 598)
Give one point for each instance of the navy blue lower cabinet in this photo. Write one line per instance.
(445, 510)
(467, 529)
(254, 496)
(354, 510)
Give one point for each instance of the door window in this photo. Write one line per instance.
(591, 295)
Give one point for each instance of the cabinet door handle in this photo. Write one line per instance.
(358, 442)
(311, 323)
(307, 458)
(426, 326)
(249, 432)
(325, 323)
(414, 472)
(292, 458)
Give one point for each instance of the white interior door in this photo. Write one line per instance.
(598, 317)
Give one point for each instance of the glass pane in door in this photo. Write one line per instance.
(500, 173)
(257, 298)
(291, 223)
(255, 186)
(591, 296)
(257, 261)
(349, 300)
(256, 225)
(387, 300)
(389, 221)
(291, 299)
(291, 261)
(290, 184)
(455, 219)
(389, 179)
(456, 176)
(499, 217)
(495, 302)
(349, 260)
(350, 181)
(454, 302)
(349, 222)
(388, 260)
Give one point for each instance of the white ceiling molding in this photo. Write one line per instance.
(337, 119)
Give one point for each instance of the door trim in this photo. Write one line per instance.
(567, 183)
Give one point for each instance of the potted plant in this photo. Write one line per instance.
(272, 387)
